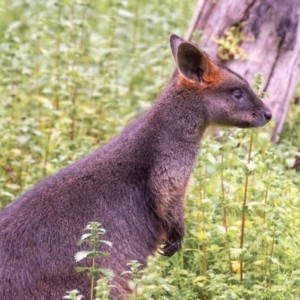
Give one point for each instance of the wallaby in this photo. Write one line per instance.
(134, 185)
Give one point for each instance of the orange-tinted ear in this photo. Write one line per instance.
(191, 61)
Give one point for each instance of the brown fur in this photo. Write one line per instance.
(134, 186)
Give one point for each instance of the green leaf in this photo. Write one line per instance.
(13, 186)
(104, 253)
(85, 236)
(23, 139)
(10, 195)
(110, 244)
(81, 269)
(251, 166)
(82, 254)
(221, 229)
(132, 284)
(125, 13)
(236, 252)
(106, 272)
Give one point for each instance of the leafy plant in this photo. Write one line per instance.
(103, 289)
(135, 274)
(92, 239)
(229, 45)
(73, 295)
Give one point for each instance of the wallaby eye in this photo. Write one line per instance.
(237, 94)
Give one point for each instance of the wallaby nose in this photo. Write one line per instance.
(268, 115)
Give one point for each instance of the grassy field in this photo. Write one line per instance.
(74, 73)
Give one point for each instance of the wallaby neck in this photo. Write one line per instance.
(178, 120)
(167, 135)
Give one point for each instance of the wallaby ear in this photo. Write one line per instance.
(190, 60)
(175, 41)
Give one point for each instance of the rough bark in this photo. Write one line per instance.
(272, 42)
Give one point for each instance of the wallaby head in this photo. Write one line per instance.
(225, 98)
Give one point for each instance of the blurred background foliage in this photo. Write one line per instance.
(74, 73)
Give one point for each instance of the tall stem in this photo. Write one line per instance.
(223, 192)
(92, 279)
(75, 87)
(271, 254)
(244, 208)
(225, 213)
(58, 40)
(203, 246)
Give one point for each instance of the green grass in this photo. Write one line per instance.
(74, 73)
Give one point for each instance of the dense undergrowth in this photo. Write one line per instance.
(74, 73)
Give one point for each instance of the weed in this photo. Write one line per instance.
(92, 239)
(229, 45)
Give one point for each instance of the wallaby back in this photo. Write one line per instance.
(134, 185)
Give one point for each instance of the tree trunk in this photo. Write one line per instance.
(271, 44)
